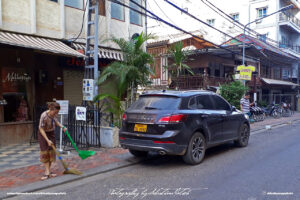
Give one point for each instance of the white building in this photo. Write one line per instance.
(39, 61)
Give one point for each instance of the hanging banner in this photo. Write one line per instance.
(88, 89)
(245, 72)
(81, 113)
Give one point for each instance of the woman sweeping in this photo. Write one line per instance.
(46, 137)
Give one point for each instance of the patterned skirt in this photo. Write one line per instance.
(47, 154)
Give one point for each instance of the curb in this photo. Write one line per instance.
(40, 185)
(274, 125)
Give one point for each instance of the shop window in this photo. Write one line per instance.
(135, 18)
(15, 85)
(117, 11)
(74, 3)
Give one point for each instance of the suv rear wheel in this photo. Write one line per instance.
(137, 153)
(196, 149)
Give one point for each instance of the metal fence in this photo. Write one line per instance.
(84, 133)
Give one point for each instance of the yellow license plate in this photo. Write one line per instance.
(140, 128)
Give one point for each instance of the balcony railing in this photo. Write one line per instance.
(288, 17)
(288, 46)
(197, 82)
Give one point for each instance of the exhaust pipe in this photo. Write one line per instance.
(162, 153)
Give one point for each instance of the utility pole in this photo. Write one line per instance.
(91, 73)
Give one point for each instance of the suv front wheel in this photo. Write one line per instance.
(196, 149)
(243, 136)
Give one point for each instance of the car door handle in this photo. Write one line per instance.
(204, 116)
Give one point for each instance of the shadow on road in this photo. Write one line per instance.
(154, 159)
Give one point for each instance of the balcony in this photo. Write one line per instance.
(289, 21)
(197, 82)
(291, 47)
(295, 2)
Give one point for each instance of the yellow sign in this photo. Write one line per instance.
(245, 72)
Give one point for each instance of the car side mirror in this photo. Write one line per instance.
(233, 108)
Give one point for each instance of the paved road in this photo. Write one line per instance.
(269, 168)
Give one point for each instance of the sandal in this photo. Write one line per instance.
(45, 177)
(52, 175)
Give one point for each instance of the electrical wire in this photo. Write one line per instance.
(180, 29)
(82, 21)
(192, 16)
(236, 22)
(158, 22)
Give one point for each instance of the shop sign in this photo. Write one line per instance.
(64, 107)
(88, 89)
(13, 79)
(245, 72)
(81, 113)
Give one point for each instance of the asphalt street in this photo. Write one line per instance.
(269, 168)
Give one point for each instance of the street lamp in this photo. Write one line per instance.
(281, 10)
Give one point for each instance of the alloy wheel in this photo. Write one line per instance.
(197, 148)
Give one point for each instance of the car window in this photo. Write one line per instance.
(193, 103)
(204, 102)
(220, 103)
(156, 102)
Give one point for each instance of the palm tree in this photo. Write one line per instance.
(180, 57)
(134, 70)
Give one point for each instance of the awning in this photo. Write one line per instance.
(39, 43)
(102, 53)
(278, 82)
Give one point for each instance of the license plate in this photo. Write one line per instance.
(140, 128)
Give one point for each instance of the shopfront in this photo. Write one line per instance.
(29, 77)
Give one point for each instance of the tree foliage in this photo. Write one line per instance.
(233, 92)
(180, 57)
(134, 70)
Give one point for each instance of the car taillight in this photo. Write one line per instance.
(173, 118)
(124, 117)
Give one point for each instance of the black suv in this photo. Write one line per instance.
(182, 123)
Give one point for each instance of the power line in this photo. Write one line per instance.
(158, 22)
(82, 21)
(178, 28)
(192, 16)
(240, 24)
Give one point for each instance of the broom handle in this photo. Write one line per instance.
(60, 158)
(74, 145)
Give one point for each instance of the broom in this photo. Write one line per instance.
(83, 154)
(67, 169)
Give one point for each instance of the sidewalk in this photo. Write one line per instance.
(275, 122)
(20, 169)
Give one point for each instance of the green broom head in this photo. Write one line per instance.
(85, 154)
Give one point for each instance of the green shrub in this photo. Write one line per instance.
(233, 92)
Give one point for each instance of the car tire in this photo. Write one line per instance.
(196, 150)
(139, 154)
(244, 135)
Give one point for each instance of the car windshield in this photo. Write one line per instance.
(156, 103)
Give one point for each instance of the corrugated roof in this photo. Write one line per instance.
(260, 45)
(38, 43)
(278, 82)
(102, 53)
